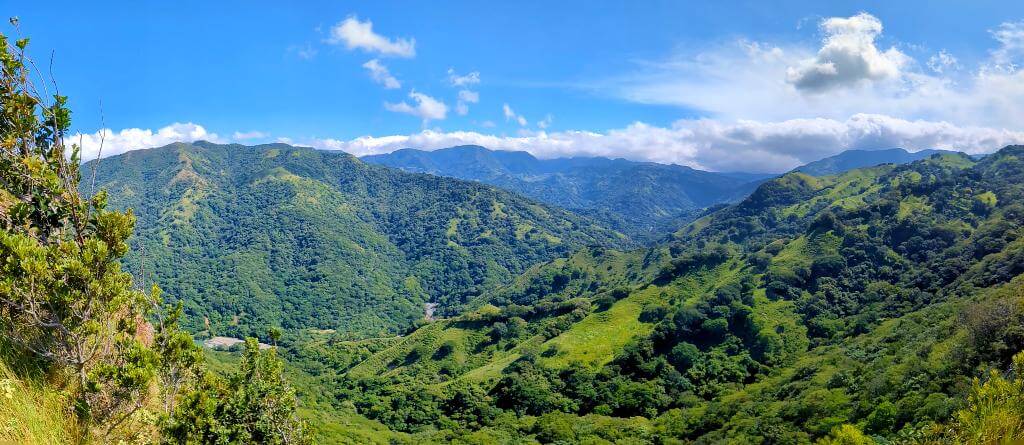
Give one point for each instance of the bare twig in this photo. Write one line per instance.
(99, 153)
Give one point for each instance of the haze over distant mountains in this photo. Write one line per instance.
(851, 159)
(642, 199)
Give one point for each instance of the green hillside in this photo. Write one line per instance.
(642, 199)
(274, 235)
(854, 305)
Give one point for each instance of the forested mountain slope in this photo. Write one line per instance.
(275, 235)
(851, 305)
(642, 199)
(852, 159)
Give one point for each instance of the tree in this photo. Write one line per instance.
(64, 300)
(66, 307)
(995, 409)
(255, 405)
(846, 435)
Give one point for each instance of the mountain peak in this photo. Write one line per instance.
(858, 158)
(637, 198)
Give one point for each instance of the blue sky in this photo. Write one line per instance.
(747, 85)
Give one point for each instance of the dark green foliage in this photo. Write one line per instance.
(252, 237)
(641, 199)
(255, 405)
(818, 307)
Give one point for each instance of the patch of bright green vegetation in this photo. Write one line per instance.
(453, 228)
(912, 204)
(846, 190)
(597, 338)
(988, 199)
(522, 230)
(957, 161)
(498, 210)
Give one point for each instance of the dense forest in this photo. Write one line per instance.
(641, 199)
(275, 235)
(879, 305)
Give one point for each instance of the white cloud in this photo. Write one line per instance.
(380, 74)
(138, 138)
(546, 122)
(1010, 36)
(426, 108)
(469, 96)
(739, 145)
(247, 135)
(466, 97)
(470, 79)
(356, 34)
(511, 115)
(759, 115)
(711, 144)
(943, 62)
(750, 80)
(848, 57)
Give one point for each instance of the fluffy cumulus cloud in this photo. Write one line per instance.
(711, 144)
(129, 139)
(425, 107)
(356, 34)
(847, 74)
(848, 57)
(380, 74)
(510, 115)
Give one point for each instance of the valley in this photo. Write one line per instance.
(557, 317)
(514, 223)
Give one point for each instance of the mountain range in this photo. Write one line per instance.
(302, 238)
(851, 159)
(835, 308)
(548, 318)
(276, 235)
(641, 199)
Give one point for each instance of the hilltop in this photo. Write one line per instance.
(641, 199)
(275, 235)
